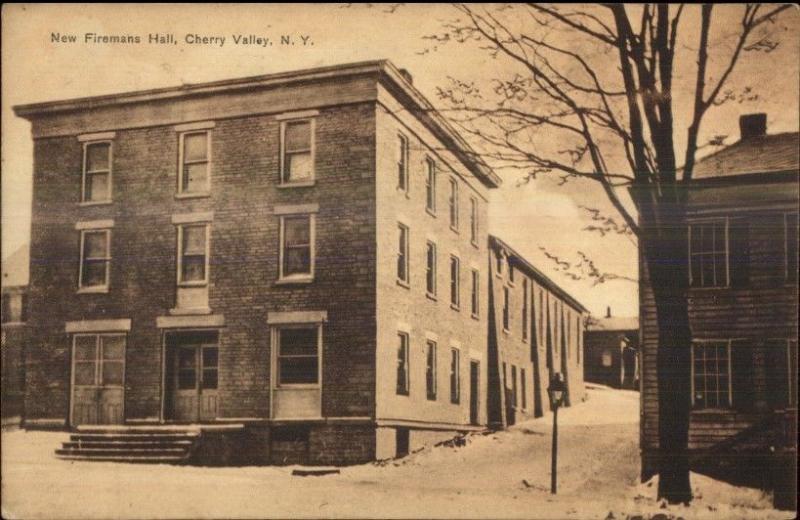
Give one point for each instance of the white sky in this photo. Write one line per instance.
(530, 216)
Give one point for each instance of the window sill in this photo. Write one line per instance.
(404, 192)
(403, 284)
(455, 307)
(431, 212)
(475, 317)
(298, 184)
(13, 323)
(716, 288)
(193, 195)
(402, 394)
(89, 203)
(304, 280)
(431, 296)
(190, 311)
(474, 244)
(454, 230)
(93, 290)
(298, 386)
(432, 398)
(507, 332)
(192, 285)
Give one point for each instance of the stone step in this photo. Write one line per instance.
(153, 459)
(132, 452)
(116, 443)
(165, 437)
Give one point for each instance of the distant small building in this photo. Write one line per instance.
(12, 345)
(611, 351)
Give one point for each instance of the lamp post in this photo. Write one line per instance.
(556, 394)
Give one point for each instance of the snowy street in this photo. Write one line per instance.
(499, 475)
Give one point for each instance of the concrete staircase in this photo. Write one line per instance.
(166, 445)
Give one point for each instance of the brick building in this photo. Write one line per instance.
(611, 351)
(743, 304)
(535, 330)
(298, 259)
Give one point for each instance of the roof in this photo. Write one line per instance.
(614, 323)
(391, 76)
(535, 273)
(765, 154)
(15, 267)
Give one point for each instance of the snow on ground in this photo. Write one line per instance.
(499, 475)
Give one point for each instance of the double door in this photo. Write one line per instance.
(193, 367)
(98, 378)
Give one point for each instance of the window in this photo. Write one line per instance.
(194, 177)
(298, 355)
(455, 275)
(579, 336)
(606, 359)
(514, 396)
(99, 359)
(499, 263)
(402, 363)
(193, 254)
(505, 309)
(523, 389)
(473, 221)
(95, 259)
(711, 385)
(475, 302)
(297, 247)
(402, 163)
(96, 172)
(430, 369)
(791, 230)
(780, 357)
(525, 309)
(510, 273)
(297, 151)
(402, 253)
(708, 252)
(15, 306)
(455, 376)
(430, 186)
(453, 202)
(430, 269)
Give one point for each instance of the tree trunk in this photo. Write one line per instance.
(665, 246)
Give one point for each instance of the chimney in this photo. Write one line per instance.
(608, 311)
(407, 75)
(753, 125)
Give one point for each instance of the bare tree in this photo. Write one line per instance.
(591, 96)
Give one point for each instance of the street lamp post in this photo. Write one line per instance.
(556, 394)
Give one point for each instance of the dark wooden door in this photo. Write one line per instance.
(98, 376)
(474, 387)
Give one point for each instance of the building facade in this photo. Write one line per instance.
(14, 339)
(611, 351)
(535, 330)
(743, 306)
(302, 254)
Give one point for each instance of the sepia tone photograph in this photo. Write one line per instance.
(389, 260)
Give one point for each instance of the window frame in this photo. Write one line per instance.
(692, 254)
(104, 288)
(727, 343)
(109, 190)
(475, 302)
(431, 368)
(525, 308)
(403, 251)
(180, 231)
(404, 342)
(430, 269)
(402, 169)
(506, 310)
(474, 221)
(523, 388)
(455, 282)
(452, 204)
(182, 191)
(430, 186)
(312, 151)
(312, 236)
(276, 335)
(455, 375)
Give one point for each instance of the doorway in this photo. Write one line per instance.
(98, 379)
(192, 376)
(474, 382)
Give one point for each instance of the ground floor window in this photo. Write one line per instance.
(402, 363)
(711, 381)
(298, 355)
(430, 369)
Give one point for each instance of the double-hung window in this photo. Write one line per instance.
(402, 254)
(430, 186)
(96, 185)
(708, 252)
(430, 369)
(474, 300)
(455, 283)
(297, 151)
(453, 204)
(430, 269)
(402, 364)
(402, 163)
(297, 247)
(523, 388)
(711, 374)
(506, 315)
(195, 152)
(455, 376)
(298, 355)
(525, 310)
(193, 254)
(473, 220)
(95, 260)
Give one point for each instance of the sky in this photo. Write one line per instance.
(532, 216)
